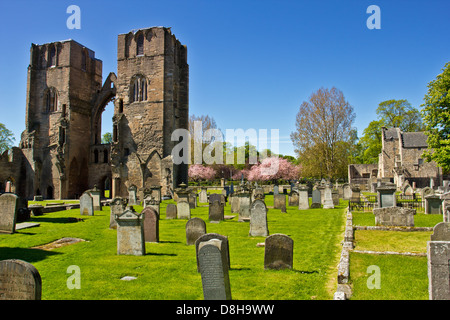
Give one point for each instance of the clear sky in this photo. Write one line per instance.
(252, 63)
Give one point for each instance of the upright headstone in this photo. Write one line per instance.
(234, 201)
(303, 199)
(438, 258)
(183, 210)
(386, 196)
(171, 211)
(193, 200)
(117, 207)
(433, 204)
(130, 233)
(217, 197)
(214, 270)
(293, 198)
(316, 199)
(279, 202)
(19, 280)
(441, 232)
(86, 204)
(347, 191)
(209, 236)
(244, 206)
(328, 198)
(203, 196)
(276, 190)
(195, 228)
(279, 252)
(8, 212)
(96, 195)
(258, 219)
(151, 224)
(132, 195)
(216, 211)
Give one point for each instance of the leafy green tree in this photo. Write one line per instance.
(6, 138)
(399, 114)
(107, 138)
(436, 117)
(369, 145)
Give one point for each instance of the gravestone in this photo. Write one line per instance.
(244, 206)
(130, 233)
(151, 224)
(386, 196)
(117, 207)
(275, 190)
(217, 197)
(279, 202)
(183, 210)
(328, 198)
(195, 228)
(433, 204)
(234, 200)
(293, 199)
(347, 191)
(96, 193)
(132, 195)
(216, 211)
(316, 199)
(171, 211)
(214, 270)
(258, 219)
(86, 204)
(203, 196)
(438, 257)
(8, 212)
(303, 199)
(193, 200)
(441, 232)
(279, 252)
(335, 197)
(209, 236)
(19, 280)
(258, 193)
(394, 216)
(151, 201)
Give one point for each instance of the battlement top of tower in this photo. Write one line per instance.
(134, 31)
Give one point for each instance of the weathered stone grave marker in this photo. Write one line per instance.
(209, 236)
(130, 233)
(86, 204)
(8, 212)
(132, 195)
(303, 199)
(258, 219)
(216, 211)
(279, 252)
(117, 207)
(151, 224)
(19, 280)
(183, 210)
(293, 198)
(438, 258)
(195, 228)
(214, 270)
(171, 211)
(394, 216)
(279, 202)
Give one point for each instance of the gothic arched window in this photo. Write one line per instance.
(140, 45)
(51, 100)
(139, 89)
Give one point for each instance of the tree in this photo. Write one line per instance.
(273, 169)
(369, 145)
(323, 134)
(197, 172)
(436, 117)
(399, 114)
(107, 138)
(198, 129)
(6, 138)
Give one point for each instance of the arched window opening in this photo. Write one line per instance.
(105, 156)
(140, 45)
(52, 56)
(95, 156)
(139, 89)
(51, 100)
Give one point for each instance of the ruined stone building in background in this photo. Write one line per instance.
(400, 160)
(60, 154)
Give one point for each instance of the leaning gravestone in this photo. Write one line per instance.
(279, 202)
(258, 219)
(117, 207)
(8, 212)
(19, 280)
(86, 204)
(209, 236)
(216, 211)
(195, 228)
(130, 233)
(171, 211)
(183, 210)
(151, 224)
(279, 252)
(214, 270)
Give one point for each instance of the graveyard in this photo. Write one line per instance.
(168, 269)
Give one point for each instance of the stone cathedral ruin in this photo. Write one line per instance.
(60, 154)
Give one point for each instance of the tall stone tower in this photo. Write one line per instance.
(63, 81)
(151, 102)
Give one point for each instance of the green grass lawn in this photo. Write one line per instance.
(168, 270)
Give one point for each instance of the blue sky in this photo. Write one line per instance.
(252, 63)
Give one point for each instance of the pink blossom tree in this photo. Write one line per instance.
(197, 172)
(272, 169)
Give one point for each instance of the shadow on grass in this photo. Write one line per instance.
(58, 220)
(26, 254)
(160, 254)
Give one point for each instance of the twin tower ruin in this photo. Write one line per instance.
(61, 154)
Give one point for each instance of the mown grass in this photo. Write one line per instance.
(168, 270)
(402, 277)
